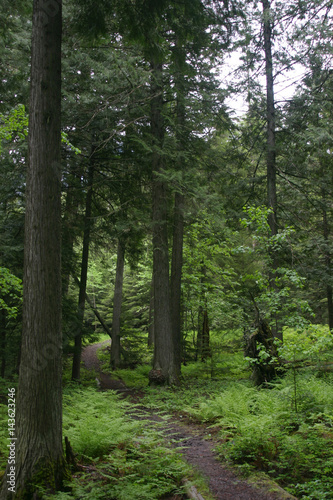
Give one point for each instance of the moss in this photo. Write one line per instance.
(48, 478)
(264, 483)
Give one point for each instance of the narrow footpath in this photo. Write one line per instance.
(194, 442)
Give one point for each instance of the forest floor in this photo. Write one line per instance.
(195, 442)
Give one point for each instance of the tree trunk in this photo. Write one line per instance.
(328, 262)
(329, 295)
(76, 368)
(178, 221)
(205, 337)
(68, 236)
(271, 148)
(264, 369)
(203, 349)
(117, 300)
(270, 114)
(164, 365)
(39, 452)
(151, 336)
(176, 277)
(199, 334)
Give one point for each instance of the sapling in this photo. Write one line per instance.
(300, 348)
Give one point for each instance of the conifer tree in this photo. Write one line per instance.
(39, 456)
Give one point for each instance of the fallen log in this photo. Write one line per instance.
(191, 491)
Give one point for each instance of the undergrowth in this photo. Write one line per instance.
(124, 458)
(118, 457)
(259, 429)
(284, 429)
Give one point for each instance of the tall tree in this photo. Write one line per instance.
(76, 368)
(117, 300)
(39, 457)
(271, 145)
(270, 117)
(164, 365)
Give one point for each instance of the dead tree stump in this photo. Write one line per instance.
(264, 367)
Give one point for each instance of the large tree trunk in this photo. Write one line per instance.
(151, 335)
(178, 221)
(39, 452)
(164, 365)
(328, 262)
(271, 147)
(117, 300)
(76, 368)
(176, 277)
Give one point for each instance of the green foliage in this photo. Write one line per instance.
(95, 422)
(10, 292)
(209, 276)
(15, 123)
(260, 430)
(128, 458)
(65, 140)
(276, 292)
(137, 378)
(148, 470)
(311, 345)
(3, 432)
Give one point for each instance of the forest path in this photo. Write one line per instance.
(194, 441)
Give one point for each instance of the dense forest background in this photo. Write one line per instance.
(196, 180)
(236, 183)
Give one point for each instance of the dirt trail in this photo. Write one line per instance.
(196, 444)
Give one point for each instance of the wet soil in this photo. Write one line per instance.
(194, 442)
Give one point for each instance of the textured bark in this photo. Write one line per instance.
(39, 451)
(117, 300)
(199, 334)
(76, 368)
(151, 335)
(164, 362)
(329, 295)
(178, 221)
(328, 262)
(205, 337)
(203, 348)
(176, 277)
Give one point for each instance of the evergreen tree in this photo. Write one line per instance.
(39, 401)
